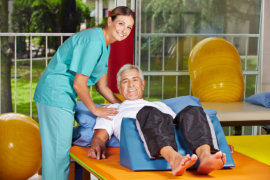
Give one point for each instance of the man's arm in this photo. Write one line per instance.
(98, 147)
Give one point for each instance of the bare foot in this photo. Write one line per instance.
(181, 163)
(178, 163)
(211, 162)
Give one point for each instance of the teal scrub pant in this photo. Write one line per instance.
(56, 125)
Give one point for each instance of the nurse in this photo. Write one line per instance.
(81, 61)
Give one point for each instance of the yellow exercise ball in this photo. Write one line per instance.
(215, 71)
(20, 146)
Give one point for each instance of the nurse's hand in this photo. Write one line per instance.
(105, 112)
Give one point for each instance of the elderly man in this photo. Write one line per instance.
(154, 121)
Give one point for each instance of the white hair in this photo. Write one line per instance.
(128, 67)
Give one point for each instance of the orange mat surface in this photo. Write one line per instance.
(110, 168)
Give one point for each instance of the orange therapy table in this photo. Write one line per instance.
(245, 167)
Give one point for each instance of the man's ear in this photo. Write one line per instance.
(143, 84)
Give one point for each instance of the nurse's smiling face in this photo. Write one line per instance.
(120, 27)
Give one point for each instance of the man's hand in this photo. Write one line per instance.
(98, 144)
(97, 152)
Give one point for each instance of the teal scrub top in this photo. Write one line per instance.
(86, 53)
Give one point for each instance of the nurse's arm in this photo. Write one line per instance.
(80, 86)
(105, 91)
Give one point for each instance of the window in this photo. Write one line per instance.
(168, 30)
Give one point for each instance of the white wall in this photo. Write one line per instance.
(265, 55)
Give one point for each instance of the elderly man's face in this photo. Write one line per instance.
(131, 85)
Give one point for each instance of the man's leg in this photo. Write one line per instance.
(200, 137)
(156, 130)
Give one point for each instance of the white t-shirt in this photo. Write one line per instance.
(128, 109)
